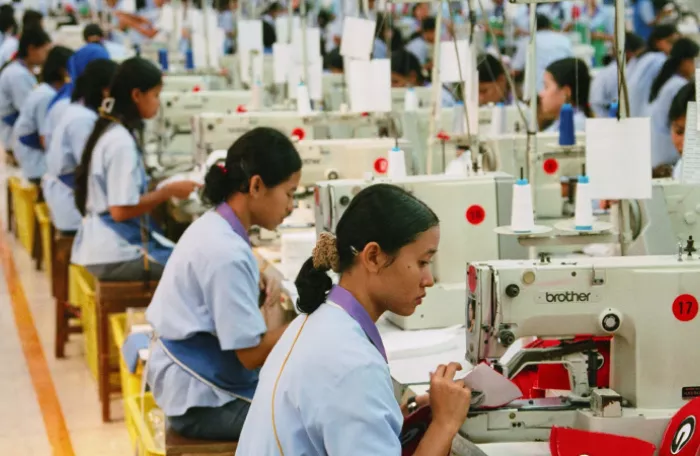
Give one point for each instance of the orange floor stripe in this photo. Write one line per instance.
(56, 429)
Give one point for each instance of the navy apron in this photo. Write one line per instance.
(201, 354)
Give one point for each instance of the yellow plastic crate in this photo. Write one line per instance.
(139, 426)
(85, 299)
(41, 211)
(23, 199)
(131, 383)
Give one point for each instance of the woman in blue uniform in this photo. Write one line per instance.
(117, 240)
(212, 337)
(678, 70)
(646, 16)
(647, 66)
(30, 19)
(17, 79)
(326, 386)
(676, 119)
(566, 81)
(406, 72)
(68, 142)
(76, 65)
(27, 145)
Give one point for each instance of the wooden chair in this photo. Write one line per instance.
(177, 445)
(65, 310)
(111, 298)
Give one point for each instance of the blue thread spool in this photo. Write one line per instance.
(612, 112)
(567, 136)
(189, 60)
(163, 59)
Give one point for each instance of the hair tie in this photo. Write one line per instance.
(107, 106)
(325, 254)
(222, 168)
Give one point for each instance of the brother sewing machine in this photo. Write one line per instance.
(174, 122)
(507, 153)
(328, 159)
(648, 304)
(469, 208)
(219, 131)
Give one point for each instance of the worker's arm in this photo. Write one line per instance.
(255, 357)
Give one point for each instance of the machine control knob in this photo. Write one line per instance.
(332, 174)
(512, 290)
(610, 320)
(506, 337)
(344, 200)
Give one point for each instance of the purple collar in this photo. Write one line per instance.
(227, 213)
(352, 306)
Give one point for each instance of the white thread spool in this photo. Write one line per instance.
(397, 163)
(583, 218)
(498, 119)
(303, 101)
(410, 101)
(459, 123)
(255, 96)
(522, 219)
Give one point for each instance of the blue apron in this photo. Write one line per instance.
(201, 354)
(131, 230)
(31, 140)
(11, 119)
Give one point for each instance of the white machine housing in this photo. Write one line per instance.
(328, 159)
(631, 299)
(70, 36)
(669, 217)
(191, 82)
(508, 153)
(451, 198)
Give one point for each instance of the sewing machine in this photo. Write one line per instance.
(512, 123)
(507, 153)
(334, 92)
(219, 131)
(174, 120)
(189, 82)
(671, 215)
(469, 208)
(328, 159)
(647, 304)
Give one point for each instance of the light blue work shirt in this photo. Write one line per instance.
(644, 16)
(63, 155)
(335, 396)
(550, 47)
(8, 48)
(579, 123)
(447, 99)
(420, 48)
(662, 149)
(379, 50)
(31, 117)
(646, 69)
(603, 90)
(559, 13)
(53, 118)
(116, 178)
(228, 24)
(678, 169)
(210, 285)
(151, 14)
(16, 83)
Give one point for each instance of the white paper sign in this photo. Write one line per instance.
(251, 66)
(199, 50)
(451, 60)
(690, 167)
(358, 38)
(281, 61)
(618, 158)
(697, 95)
(314, 84)
(282, 29)
(250, 35)
(313, 45)
(369, 85)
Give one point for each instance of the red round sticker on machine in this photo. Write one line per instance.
(685, 307)
(381, 165)
(550, 165)
(475, 214)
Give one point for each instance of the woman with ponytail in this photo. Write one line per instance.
(212, 336)
(566, 81)
(17, 79)
(117, 240)
(27, 144)
(678, 70)
(68, 142)
(677, 120)
(326, 389)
